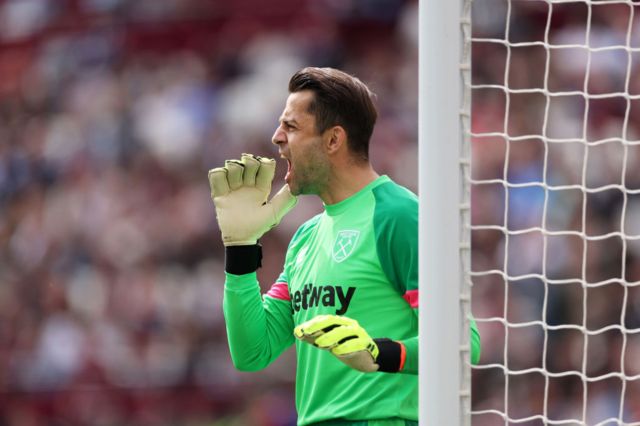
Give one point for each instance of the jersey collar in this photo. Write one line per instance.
(340, 207)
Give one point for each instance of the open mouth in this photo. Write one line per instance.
(287, 177)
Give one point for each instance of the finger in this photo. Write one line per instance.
(251, 166)
(235, 170)
(301, 330)
(309, 328)
(265, 174)
(354, 345)
(307, 339)
(218, 182)
(283, 202)
(325, 323)
(338, 336)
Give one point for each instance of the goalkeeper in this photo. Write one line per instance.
(348, 293)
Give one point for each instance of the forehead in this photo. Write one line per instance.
(297, 106)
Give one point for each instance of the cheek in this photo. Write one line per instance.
(316, 164)
(300, 152)
(307, 155)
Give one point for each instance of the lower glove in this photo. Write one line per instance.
(351, 344)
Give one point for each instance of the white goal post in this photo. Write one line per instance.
(542, 227)
(444, 211)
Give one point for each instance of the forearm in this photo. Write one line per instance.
(411, 356)
(257, 331)
(475, 342)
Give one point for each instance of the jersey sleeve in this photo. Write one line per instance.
(396, 228)
(396, 231)
(259, 328)
(475, 342)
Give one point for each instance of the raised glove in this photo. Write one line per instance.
(351, 344)
(239, 191)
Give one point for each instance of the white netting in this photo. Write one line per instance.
(555, 181)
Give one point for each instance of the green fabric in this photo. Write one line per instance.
(332, 258)
(411, 362)
(359, 259)
(258, 331)
(395, 222)
(383, 422)
(475, 342)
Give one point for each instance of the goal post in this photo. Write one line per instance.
(444, 103)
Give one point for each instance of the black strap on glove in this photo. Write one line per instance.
(390, 356)
(240, 260)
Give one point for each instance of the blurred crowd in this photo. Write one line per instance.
(111, 266)
(111, 263)
(556, 212)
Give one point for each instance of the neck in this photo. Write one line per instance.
(346, 181)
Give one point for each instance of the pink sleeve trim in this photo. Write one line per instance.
(411, 297)
(279, 290)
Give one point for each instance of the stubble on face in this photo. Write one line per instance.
(312, 170)
(310, 166)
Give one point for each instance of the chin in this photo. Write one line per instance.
(300, 190)
(293, 189)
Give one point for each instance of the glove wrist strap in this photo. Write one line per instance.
(391, 355)
(240, 260)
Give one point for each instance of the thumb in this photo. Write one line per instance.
(283, 202)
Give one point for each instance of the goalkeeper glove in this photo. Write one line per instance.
(351, 344)
(239, 191)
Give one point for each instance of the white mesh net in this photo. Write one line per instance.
(555, 211)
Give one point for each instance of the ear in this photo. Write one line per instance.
(335, 139)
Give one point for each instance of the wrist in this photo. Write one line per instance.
(391, 356)
(240, 260)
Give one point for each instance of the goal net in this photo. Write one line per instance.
(555, 211)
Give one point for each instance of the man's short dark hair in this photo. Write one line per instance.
(340, 99)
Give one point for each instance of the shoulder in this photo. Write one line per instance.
(395, 203)
(303, 232)
(396, 233)
(300, 238)
(307, 227)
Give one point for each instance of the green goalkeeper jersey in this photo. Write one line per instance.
(359, 258)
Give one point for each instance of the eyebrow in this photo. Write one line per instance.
(288, 121)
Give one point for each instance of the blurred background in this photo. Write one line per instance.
(111, 265)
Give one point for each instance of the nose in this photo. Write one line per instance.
(279, 136)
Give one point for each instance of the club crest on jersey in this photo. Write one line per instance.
(345, 244)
